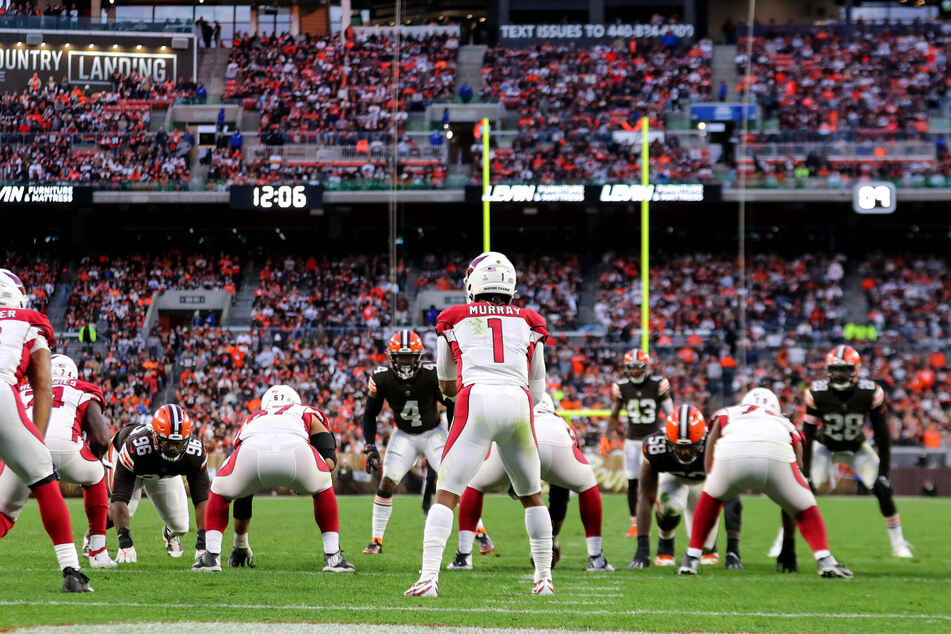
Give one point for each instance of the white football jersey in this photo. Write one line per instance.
(22, 332)
(756, 430)
(291, 421)
(490, 344)
(70, 399)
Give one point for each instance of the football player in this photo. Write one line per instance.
(753, 446)
(77, 411)
(563, 466)
(490, 359)
(674, 464)
(836, 410)
(285, 444)
(154, 457)
(25, 340)
(411, 389)
(643, 397)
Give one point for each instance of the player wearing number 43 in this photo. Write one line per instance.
(836, 409)
(411, 389)
(643, 397)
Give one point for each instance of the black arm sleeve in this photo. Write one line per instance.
(373, 408)
(883, 439)
(122, 484)
(450, 410)
(199, 485)
(809, 431)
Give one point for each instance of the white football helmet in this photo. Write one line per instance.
(764, 398)
(63, 368)
(12, 291)
(277, 396)
(545, 405)
(489, 272)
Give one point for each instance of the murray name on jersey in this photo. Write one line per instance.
(413, 402)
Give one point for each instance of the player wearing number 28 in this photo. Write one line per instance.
(491, 360)
(836, 409)
(412, 391)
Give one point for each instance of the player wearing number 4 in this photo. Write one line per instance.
(836, 409)
(412, 391)
(642, 396)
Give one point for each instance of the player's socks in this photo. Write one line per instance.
(470, 510)
(55, 516)
(465, 541)
(240, 540)
(594, 546)
(705, 517)
(733, 545)
(589, 504)
(5, 524)
(435, 536)
(382, 509)
(813, 530)
(325, 512)
(67, 556)
(213, 541)
(96, 501)
(216, 515)
(331, 541)
(893, 524)
(538, 526)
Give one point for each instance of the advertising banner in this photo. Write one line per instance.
(526, 34)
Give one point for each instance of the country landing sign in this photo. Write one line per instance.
(96, 67)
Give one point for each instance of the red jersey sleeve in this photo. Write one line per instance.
(536, 323)
(41, 322)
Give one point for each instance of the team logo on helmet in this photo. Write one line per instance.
(171, 429)
(405, 353)
(12, 291)
(63, 368)
(686, 432)
(843, 365)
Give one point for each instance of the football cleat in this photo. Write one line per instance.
(901, 550)
(733, 561)
(75, 581)
(632, 531)
(101, 560)
(208, 562)
(599, 564)
(427, 586)
(375, 547)
(544, 587)
(829, 568)
(241, 557)
(336, 562)
(173, 543)
(689, 566)
(462, 561)
(664, 560)
(777, 546)
(485, 542)
(640, 562)
(709, 559)
(86, 544)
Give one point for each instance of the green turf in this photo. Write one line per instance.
(287, 586)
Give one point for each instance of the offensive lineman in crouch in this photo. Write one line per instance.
(25, 339)
(674, 463)
(286, 444)
(753, 446)
(563, 467)
(412, 392)
(77, 409)
(497, 351)
(643, 396)
(154, 457)
(836, 410)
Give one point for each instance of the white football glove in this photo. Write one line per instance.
(127, 556)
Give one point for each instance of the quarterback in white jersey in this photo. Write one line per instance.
(77, 410)
(286, 444)
(753, 446)
(563, 466)
(25, 340)
(491, 360)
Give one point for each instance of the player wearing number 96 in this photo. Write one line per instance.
(412, 391)
(836, 409)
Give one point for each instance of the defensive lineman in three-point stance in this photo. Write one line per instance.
(496, 349)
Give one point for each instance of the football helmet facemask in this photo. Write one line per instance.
(686, 432)
(171, 429)
(405, 352)
(843, 365)
(637, 365)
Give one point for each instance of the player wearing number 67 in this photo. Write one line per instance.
(412, 391)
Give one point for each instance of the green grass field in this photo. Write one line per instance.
(287, 585)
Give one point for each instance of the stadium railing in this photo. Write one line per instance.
(60, 22)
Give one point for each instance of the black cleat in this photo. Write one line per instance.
(208, 562)
(337, 563)
(75, 581)
(733, 561)
(241, 557)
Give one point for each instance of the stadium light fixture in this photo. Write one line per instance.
(138, 47)
(163, 48)
(449, 134)
(92, 46)
(67, 45)
(19, 44)
(115, 46)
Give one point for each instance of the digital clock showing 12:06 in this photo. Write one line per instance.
(276, 197)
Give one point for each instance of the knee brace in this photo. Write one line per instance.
(732, 514)
(883, 491)
(667, 522)
(558, 503)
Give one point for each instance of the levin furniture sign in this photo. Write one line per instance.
(91, 58)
